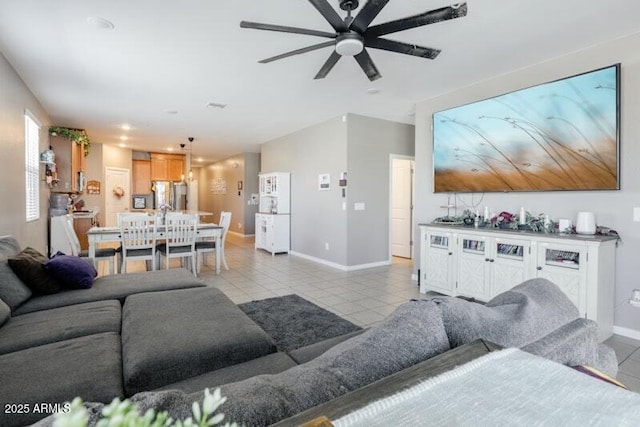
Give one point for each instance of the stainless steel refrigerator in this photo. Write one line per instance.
(170, 193)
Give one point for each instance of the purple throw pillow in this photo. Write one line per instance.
(71, 271)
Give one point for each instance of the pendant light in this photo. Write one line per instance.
(190, 153)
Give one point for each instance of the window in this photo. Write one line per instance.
(32, 166)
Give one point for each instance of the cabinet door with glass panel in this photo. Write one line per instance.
(437, 266)
(474, 266)
(511, 261)
(564, 265)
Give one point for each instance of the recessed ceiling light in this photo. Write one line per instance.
(125, 126)
(171, 111)
(199, 159)
(216, 105)
(123, 137)
(373, 91)
(122, 145)
(170, 149)
(98, 22)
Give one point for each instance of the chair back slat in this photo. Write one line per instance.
(181, 229)
(138, 231)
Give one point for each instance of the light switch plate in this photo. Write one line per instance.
(636, 214)
(358, 206)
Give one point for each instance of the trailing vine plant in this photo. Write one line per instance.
(79, 136)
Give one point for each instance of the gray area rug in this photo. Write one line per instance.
(294, 322)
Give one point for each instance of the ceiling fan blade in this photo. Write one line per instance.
(328, 65)
(285, 29)
(367, 65)
(367, 14)
(431, 17)
(400, 47)
(298, 51)
(330, 15)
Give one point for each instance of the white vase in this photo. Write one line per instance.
(586, 223)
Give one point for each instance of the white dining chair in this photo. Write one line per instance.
(209, 246)
(180, 239)
(137, 238)
(102, 254)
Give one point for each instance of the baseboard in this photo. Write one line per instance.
(340, 266)
(626, 332)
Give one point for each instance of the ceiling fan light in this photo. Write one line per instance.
(349, 46)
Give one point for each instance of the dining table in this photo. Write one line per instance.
(98, 235)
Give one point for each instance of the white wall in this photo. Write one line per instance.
(14, 98)
(612, 208)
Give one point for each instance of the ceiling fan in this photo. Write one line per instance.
(353, 35)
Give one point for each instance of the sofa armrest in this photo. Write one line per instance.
(574, 343)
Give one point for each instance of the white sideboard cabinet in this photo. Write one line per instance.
(482, 263)
(273, 220)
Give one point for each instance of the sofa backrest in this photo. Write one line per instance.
(9, 247)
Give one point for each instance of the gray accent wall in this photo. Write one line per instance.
(15, 97)
(612, 208)
(360, 146)
(371, 142)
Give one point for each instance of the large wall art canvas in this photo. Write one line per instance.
(560, 135)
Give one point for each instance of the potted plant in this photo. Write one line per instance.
(79, 136)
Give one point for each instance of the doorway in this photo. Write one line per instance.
(113, 203)
(401, 207)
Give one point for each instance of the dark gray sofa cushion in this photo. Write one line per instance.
(54, 373)
(59, 324)
(514, 318)
(270, 364)
(5, 312)
(115, 286)
(412, 333)
(174, 335)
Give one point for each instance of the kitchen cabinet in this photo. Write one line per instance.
(167, 167)
(141, 177)
(70, 165)
(482, 263)
(81, 224)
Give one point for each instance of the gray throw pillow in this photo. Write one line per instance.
(12, 291)
(5, 312)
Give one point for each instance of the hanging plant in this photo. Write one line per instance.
(79, 136)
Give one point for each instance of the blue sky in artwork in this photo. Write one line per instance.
(579, 111)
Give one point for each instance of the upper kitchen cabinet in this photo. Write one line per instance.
(167, 167)
(141, 177)
(70, 165)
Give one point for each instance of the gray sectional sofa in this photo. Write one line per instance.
(162, 337)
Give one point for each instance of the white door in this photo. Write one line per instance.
(401, 206)
(116, 178)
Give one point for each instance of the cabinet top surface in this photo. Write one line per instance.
(523, 233)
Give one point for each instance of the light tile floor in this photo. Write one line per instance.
(364, 297)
